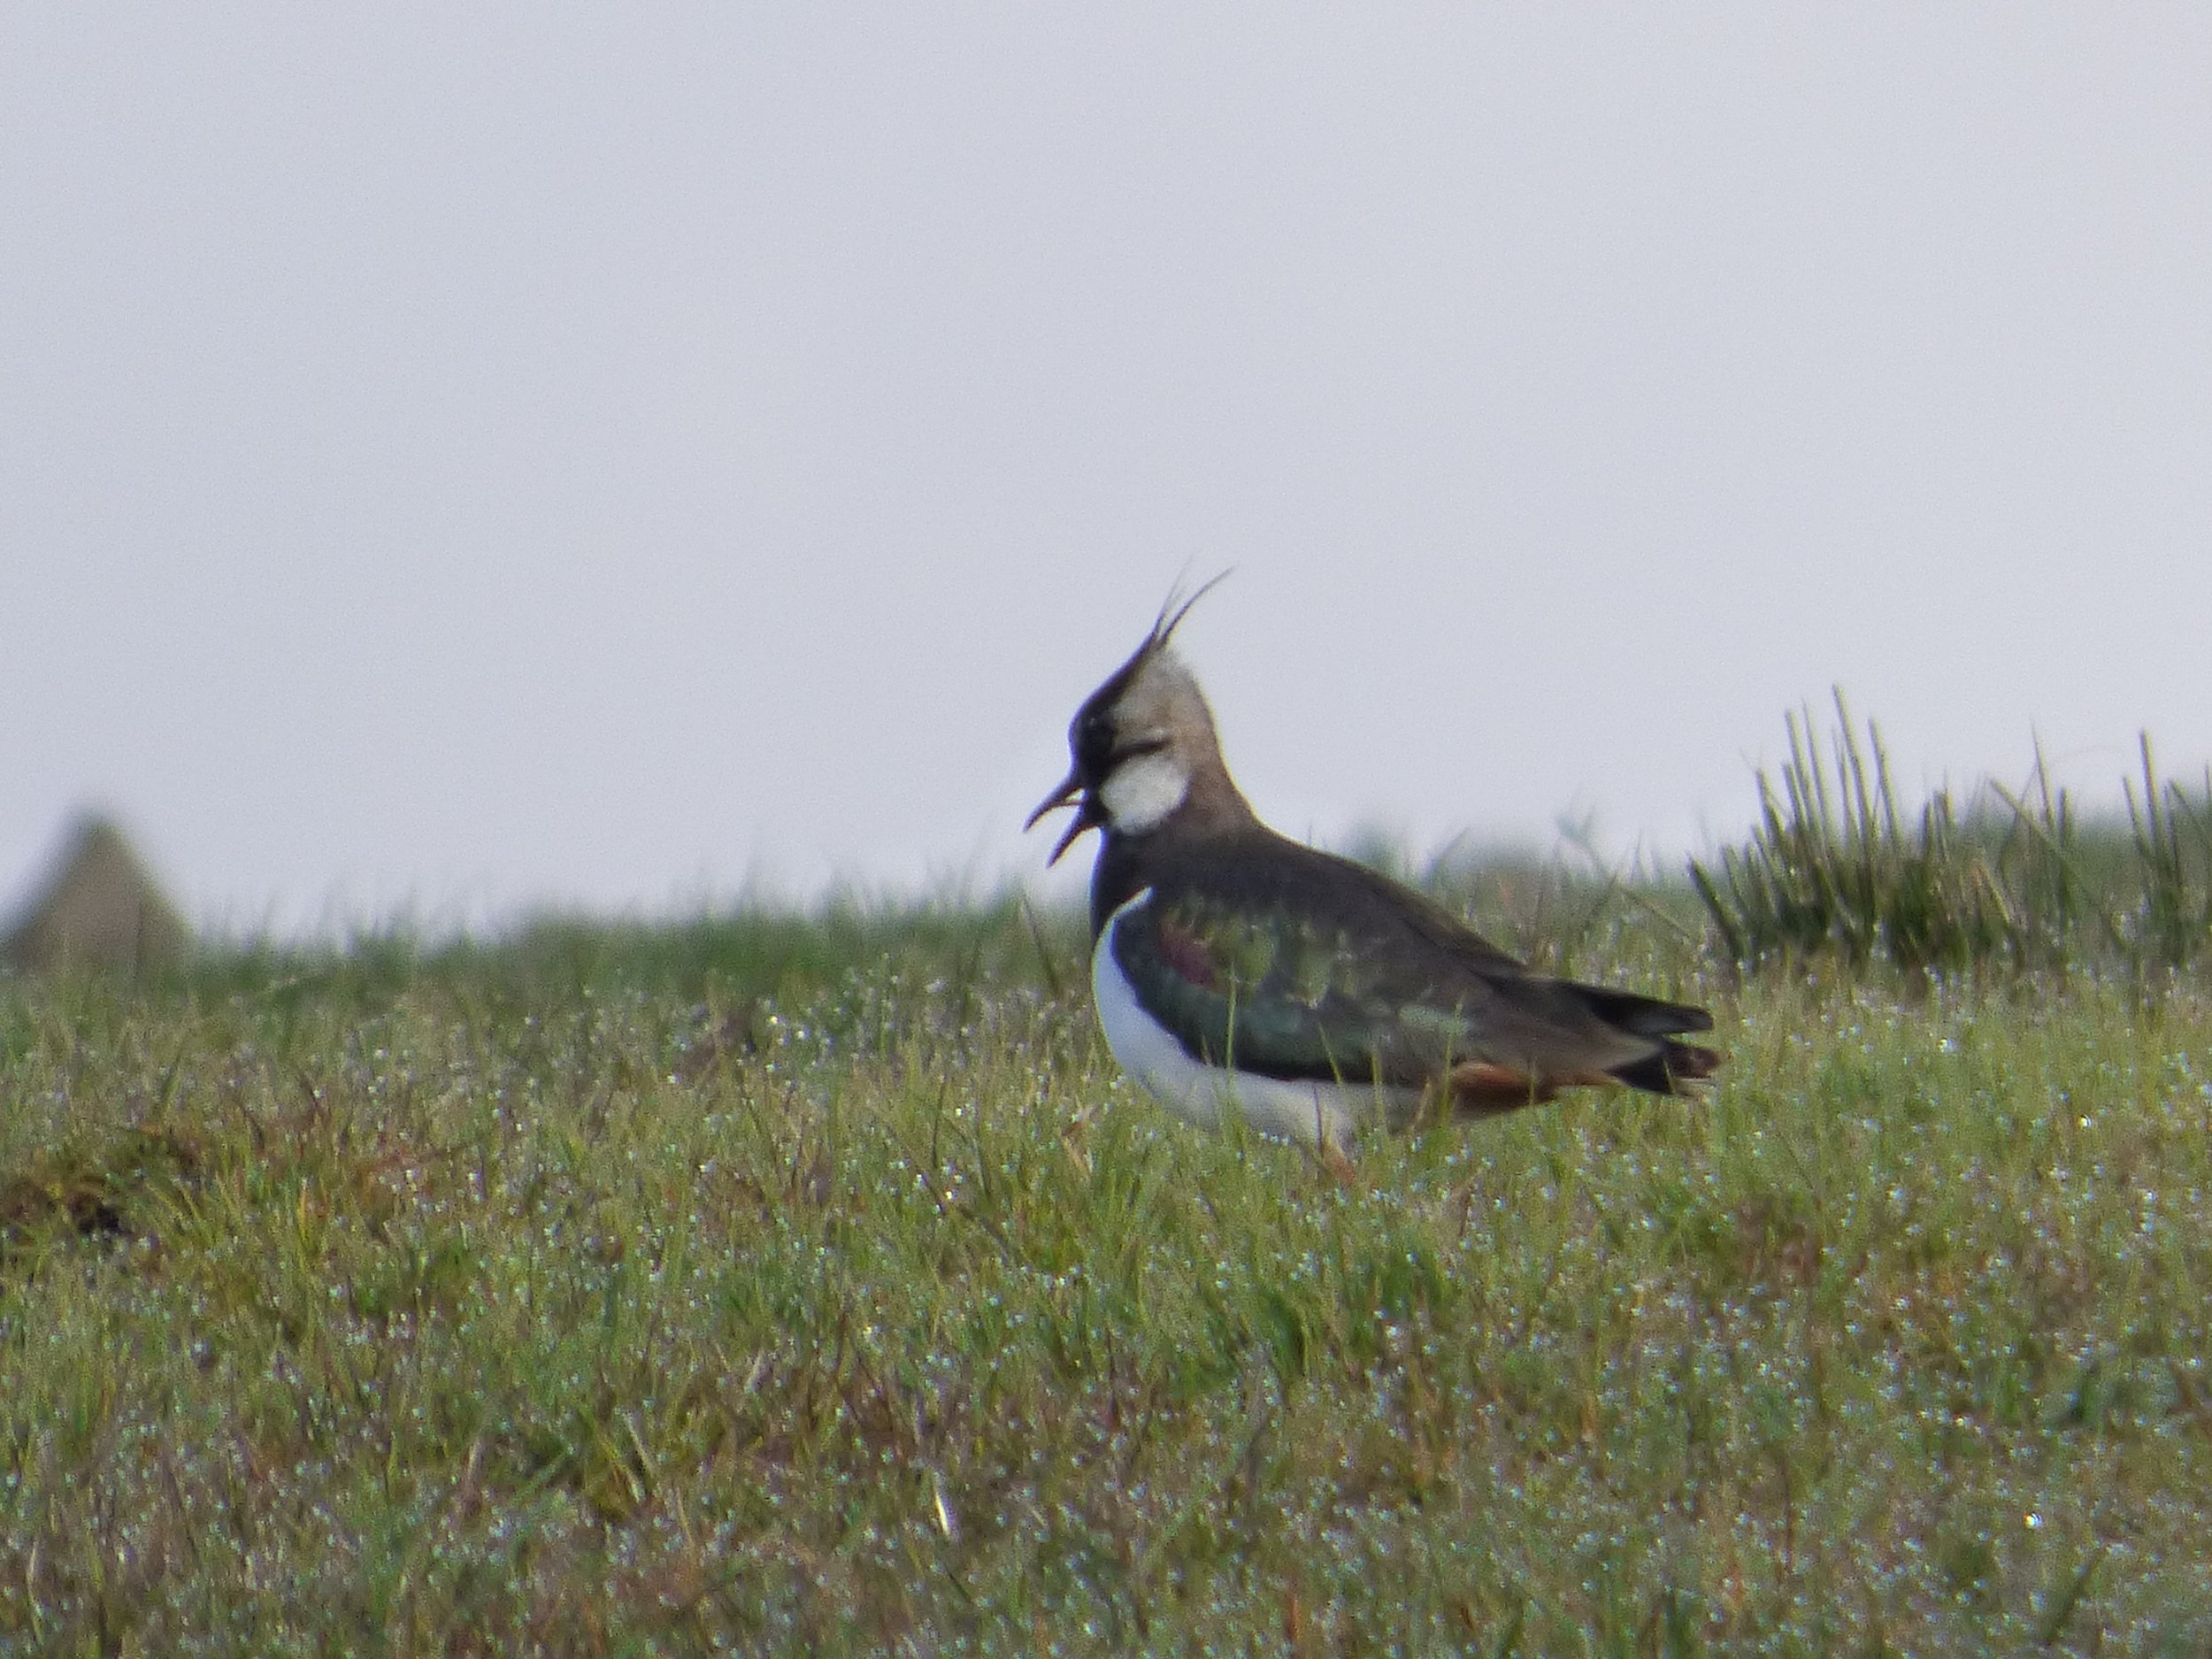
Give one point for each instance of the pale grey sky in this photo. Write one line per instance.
(467, 456)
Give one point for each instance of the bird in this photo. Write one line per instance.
(1237, 971)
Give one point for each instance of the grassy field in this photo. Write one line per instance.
(782, 1285)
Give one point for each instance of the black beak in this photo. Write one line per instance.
(1068, 792)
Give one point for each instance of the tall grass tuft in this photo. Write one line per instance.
(2012, 880)
(2172, 837)
(1832, 867)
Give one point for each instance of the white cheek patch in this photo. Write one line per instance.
(1138, 797)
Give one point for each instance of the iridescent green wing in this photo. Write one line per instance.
(1272, 989)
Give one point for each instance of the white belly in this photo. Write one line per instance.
(1313, 1114)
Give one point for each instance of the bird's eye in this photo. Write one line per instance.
(1095, 740)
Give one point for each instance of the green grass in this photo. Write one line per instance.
(778, 1286)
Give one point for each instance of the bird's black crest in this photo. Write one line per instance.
(1163, 626)
(1172, 613)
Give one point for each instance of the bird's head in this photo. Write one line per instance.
(1140, 743)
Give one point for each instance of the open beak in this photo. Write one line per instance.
(1068, 792)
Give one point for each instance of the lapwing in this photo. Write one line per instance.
(1237, 970)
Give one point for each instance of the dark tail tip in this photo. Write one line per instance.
(1674, 1070)
(1643, 1016)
